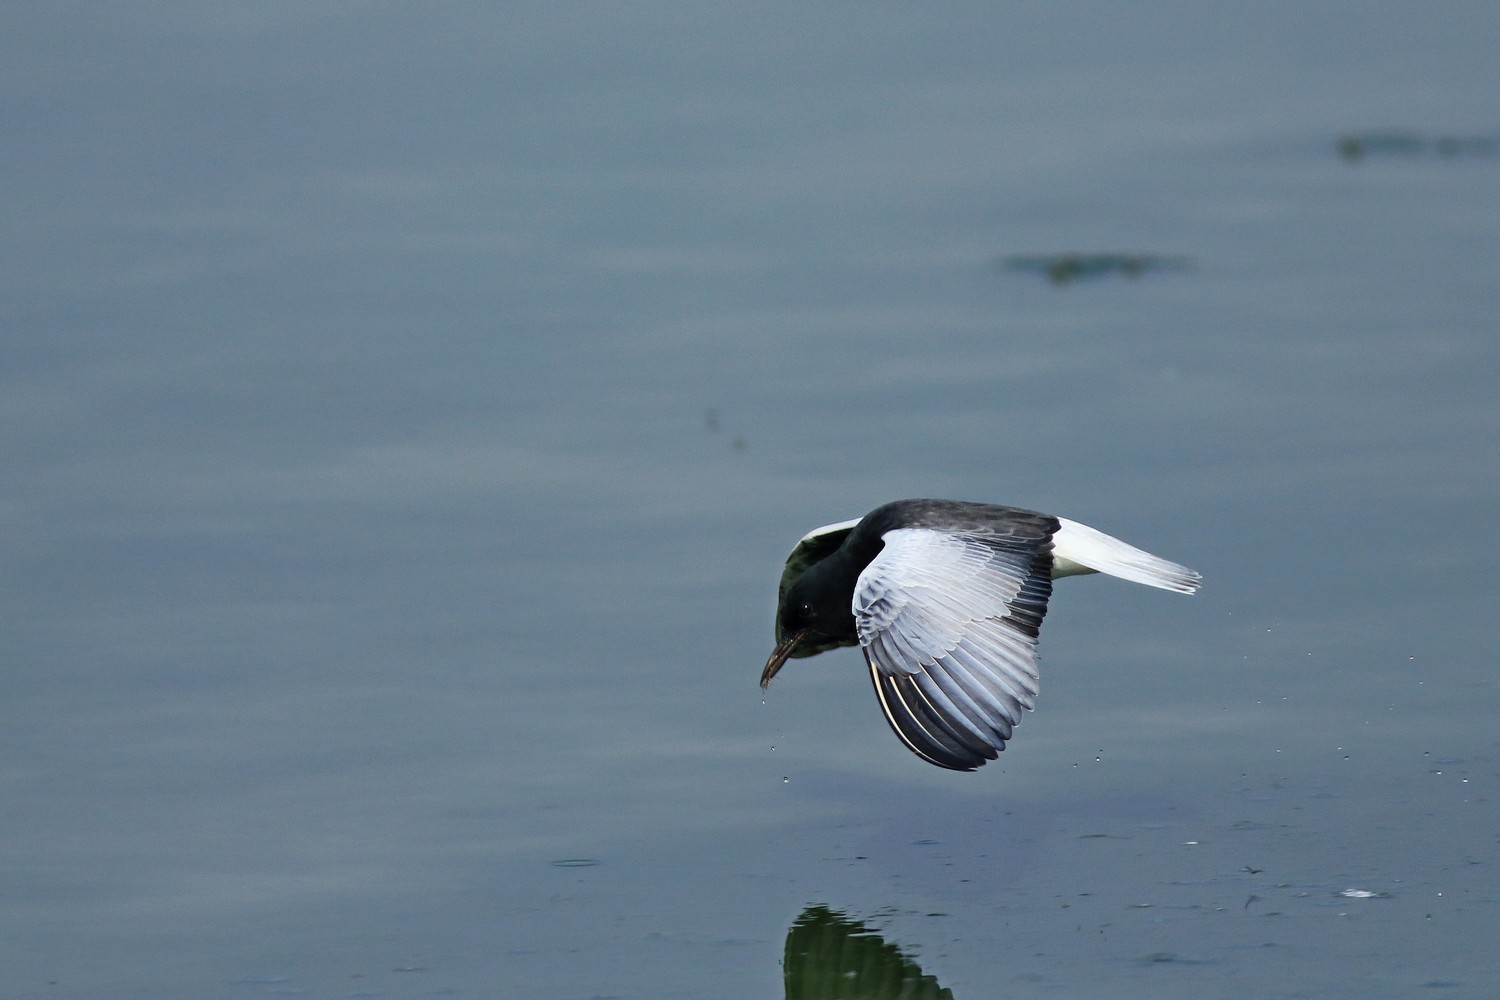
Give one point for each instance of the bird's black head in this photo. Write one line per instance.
(808, 610)
(813, 617)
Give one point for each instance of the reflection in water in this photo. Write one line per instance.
(830, 957)
(1355, 146)
(1061, 268)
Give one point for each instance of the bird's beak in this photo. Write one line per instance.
(779, 656)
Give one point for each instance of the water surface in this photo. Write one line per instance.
(407, 414)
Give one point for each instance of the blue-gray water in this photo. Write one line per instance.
(407, 410)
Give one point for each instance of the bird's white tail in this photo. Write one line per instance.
(1077, 548)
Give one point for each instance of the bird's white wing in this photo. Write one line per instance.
(948, 623)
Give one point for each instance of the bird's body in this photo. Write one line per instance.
(946, 599)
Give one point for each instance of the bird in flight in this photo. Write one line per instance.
(946, 600)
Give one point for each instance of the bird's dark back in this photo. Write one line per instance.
(1022, 528)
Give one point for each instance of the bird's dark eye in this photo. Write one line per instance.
(805, 612)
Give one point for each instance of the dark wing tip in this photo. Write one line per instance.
(924, 728)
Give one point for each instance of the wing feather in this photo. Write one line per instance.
(948, 623)
(924, 733)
